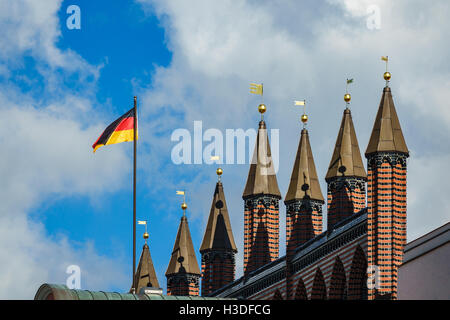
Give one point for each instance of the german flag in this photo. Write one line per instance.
(120, 130)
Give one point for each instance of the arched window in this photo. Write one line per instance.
(357, 282)
(338, 281)
(319, 290)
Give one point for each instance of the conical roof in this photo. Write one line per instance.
(387, 135)
(218, 234)
(183, 247)
(145, 274)
(304, 181)
(261, 176)
(346, 159)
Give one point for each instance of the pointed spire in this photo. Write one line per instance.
(145, 273)
(261, 176)
(386, 134)
(218, 234)
(183, 255)
(304, 179)
(346, 159)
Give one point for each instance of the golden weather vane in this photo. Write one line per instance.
(144, 222)
(387, 74)
(256, 88)
(304, 117)
(219, 171)
(183, 205)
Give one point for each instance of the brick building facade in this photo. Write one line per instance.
(360, 242)
(357, 257)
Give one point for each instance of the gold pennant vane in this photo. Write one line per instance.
(256, 88)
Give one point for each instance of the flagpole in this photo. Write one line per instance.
(134, 192)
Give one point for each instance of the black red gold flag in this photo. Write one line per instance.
(120, 130)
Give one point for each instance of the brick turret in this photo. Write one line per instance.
(183, 273)
(386, 197)
(261, 207)
(304, 198)
(218, 248)
(346, 177)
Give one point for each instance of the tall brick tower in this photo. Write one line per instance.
(346, 177)
(261, 205)
(218, 248)
(183, 273)
(303, 202)
(386, 196)
(304, 197)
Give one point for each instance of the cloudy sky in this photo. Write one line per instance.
(192, 61)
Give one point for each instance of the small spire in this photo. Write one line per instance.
(183, 257)
(145, 272)
(261, 177)
(346, 159)
(218, 233)
(304, 180)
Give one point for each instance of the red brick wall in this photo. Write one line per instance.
(303, 222)
(346, 196)
(183, 285)
(386, 199)
(218, 269)
(261, 232)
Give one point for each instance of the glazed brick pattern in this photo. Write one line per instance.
(386, 219)
(261, 231)
(345, 197)
(303, 222)
(307, 283)
(183, 285)
(217, 270)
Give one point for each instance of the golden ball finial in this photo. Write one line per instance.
(145, 235)
(184, 206)
(219, 171)
(347, 97)
(304, 118)
(387, 76)
(262, 108)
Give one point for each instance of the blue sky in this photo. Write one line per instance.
(193, 61)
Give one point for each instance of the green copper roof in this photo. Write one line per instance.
(61, 292)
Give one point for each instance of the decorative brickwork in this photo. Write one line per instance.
(183, 284)
(300, 292)
(217, 270)
(261, 231)
(386, 219)
(386, 156)
(346, 196)
(338, 282)
(304, 222)
(261, 207)
(357, 282)
(319, 289)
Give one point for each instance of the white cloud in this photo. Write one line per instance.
(46, 155)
